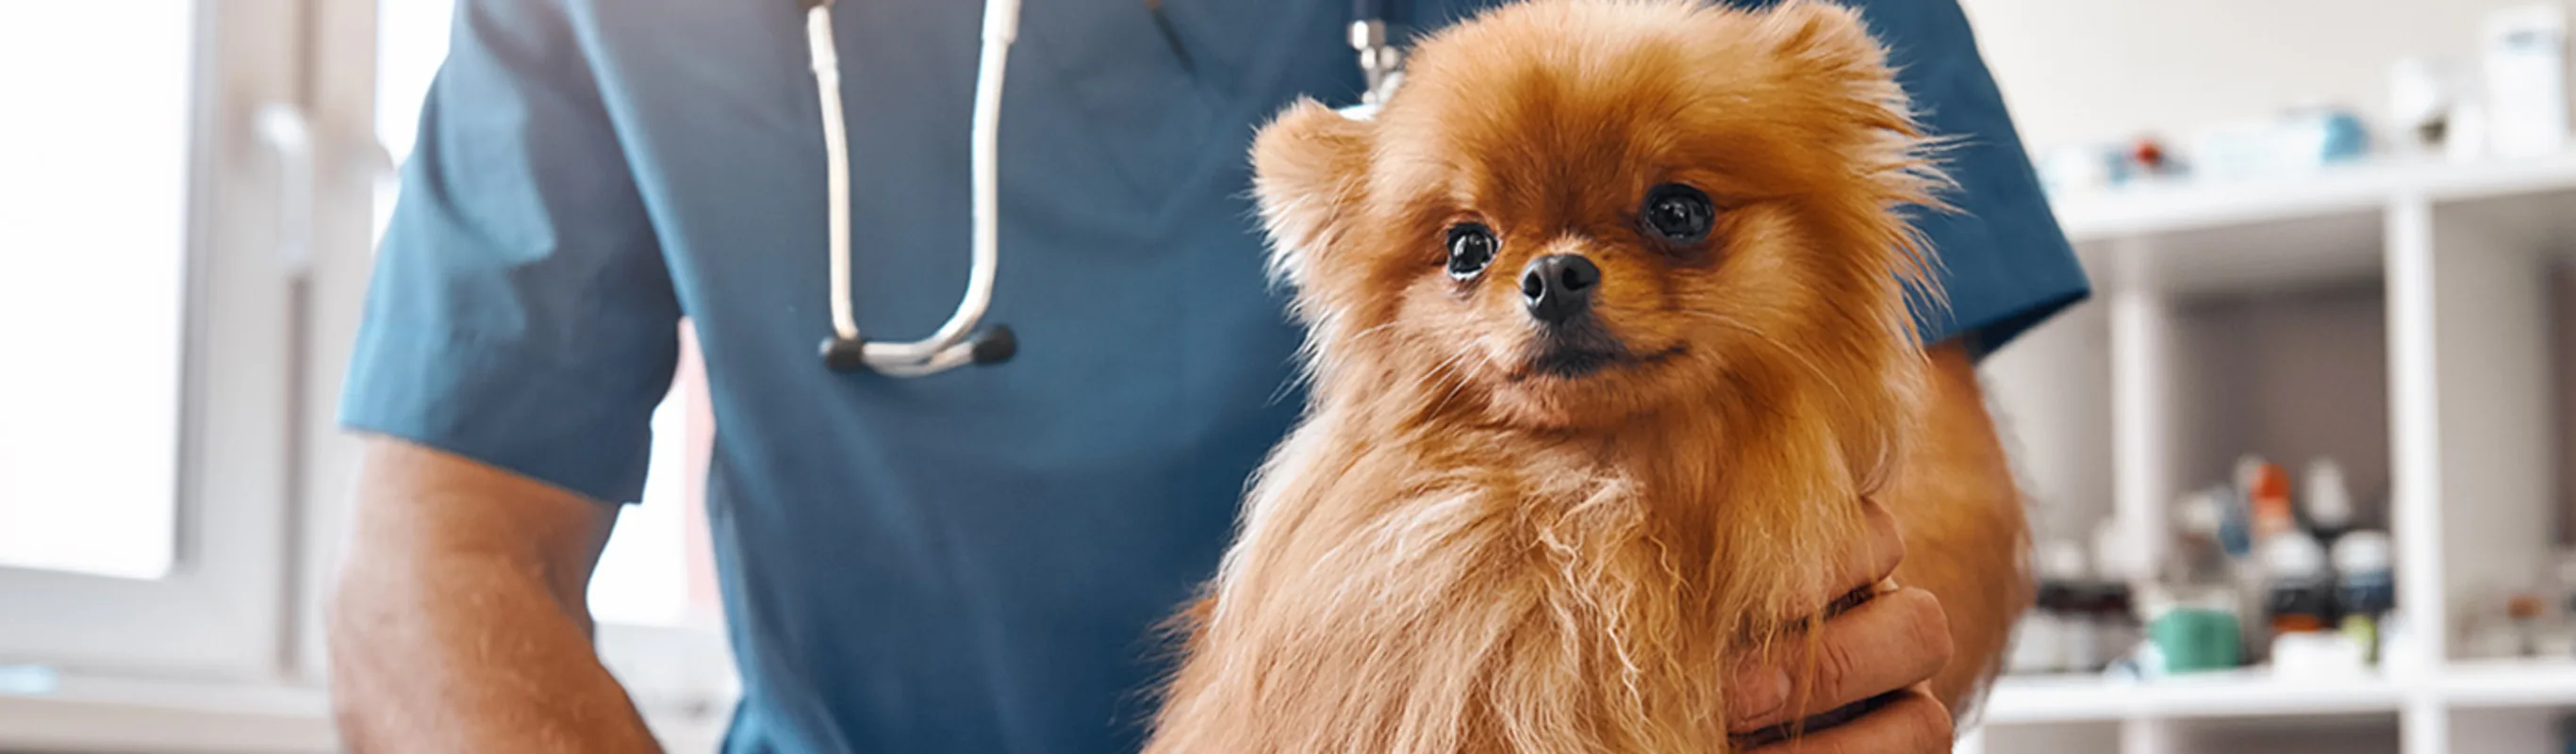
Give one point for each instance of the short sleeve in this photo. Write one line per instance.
(2005, 265)
(520, 313)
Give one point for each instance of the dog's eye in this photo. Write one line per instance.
(1471, 248)
(1678, 213)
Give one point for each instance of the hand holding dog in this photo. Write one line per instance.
(1886, 646)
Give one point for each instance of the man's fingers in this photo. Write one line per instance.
(1889, 643)
(1877, 561)
(1914, 723)
(1856, 571)
(1871, 644)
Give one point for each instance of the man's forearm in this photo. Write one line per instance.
(459, 622)
(1966, 536)
(472, 659)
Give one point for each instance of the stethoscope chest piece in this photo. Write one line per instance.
(988, 346)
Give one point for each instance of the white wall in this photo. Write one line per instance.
(2081, 70)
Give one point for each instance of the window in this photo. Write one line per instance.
(147, 296)
(143, 285)
(93, 221)
(183, 259)
(411, 41)
(181, 263)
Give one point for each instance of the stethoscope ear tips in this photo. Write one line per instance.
(994, 345)
(845, 355)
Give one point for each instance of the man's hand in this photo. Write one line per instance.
(1871, 660)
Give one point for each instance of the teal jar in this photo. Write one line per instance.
(2194, 639)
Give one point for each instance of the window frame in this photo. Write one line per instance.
(343, 92)
(220, 610)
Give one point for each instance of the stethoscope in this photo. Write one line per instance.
(962, 339)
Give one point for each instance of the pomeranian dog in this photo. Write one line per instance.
(1610, 333)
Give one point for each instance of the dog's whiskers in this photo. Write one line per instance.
(1808, 364)
(1446, 369)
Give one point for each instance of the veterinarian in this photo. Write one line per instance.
(970, 561)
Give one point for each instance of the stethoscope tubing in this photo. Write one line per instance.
(948, 347)
(958, 342)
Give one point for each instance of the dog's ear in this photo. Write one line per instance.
(1310, 168)
(1841, 92)
(1827, 53)
(1834, 75)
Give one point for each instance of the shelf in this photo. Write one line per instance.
(2167, 208)
(2509, 683)
(2323, 227)
(2255, 692)
(2407, 318)
(2236, 693)
(2157, 209)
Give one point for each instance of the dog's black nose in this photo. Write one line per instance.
(1557, 287)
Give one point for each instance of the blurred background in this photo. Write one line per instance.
(2296, 471)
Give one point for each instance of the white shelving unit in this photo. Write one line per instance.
(2396, 316)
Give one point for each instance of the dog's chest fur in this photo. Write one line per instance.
(1532, 600)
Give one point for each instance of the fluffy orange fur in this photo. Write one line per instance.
(1459, 552)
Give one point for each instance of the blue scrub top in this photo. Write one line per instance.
(970, 562)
